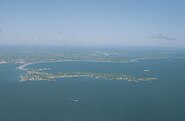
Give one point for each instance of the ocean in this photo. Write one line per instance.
(88, 99)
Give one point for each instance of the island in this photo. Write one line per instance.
(34, 75)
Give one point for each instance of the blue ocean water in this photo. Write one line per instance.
(86, 99)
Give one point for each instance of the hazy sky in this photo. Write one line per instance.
(93, 22)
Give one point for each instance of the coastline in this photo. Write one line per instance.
(2, 62)
(23, 67)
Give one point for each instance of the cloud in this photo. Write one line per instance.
(1, 30)
(60, 32)
(74, 36)
(20, 38)
(36, 38)
(5, 38)
(162, 37)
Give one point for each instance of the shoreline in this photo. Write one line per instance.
(23, 67)
(3, 62)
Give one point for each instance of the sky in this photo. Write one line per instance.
(93, 22)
